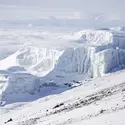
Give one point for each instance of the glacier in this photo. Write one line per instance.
(82, 55)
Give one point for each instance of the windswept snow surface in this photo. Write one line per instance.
(58, 59)
(101, 101)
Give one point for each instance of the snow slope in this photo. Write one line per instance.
(101, 101)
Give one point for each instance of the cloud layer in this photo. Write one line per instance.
(99, 10)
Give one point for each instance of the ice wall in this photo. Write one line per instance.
(98, 52)
(19, 87)
(102, 52)
(75, 60)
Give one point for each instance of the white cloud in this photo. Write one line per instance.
(106, 10)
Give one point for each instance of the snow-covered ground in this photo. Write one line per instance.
(101, 101)
(53, 78)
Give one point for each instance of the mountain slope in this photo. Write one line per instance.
(101, 101)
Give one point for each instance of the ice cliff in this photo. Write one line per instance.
(98, 52)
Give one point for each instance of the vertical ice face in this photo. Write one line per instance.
(93, 53)
(108, 61)
(102, 52)
(21, 83)
(75, 60)
(19, 86)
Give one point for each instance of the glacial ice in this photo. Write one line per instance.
(19, 84)
(98, 52)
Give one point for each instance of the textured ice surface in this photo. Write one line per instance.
(84, 54)
(18, 84)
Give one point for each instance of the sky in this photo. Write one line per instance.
(106, 10)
